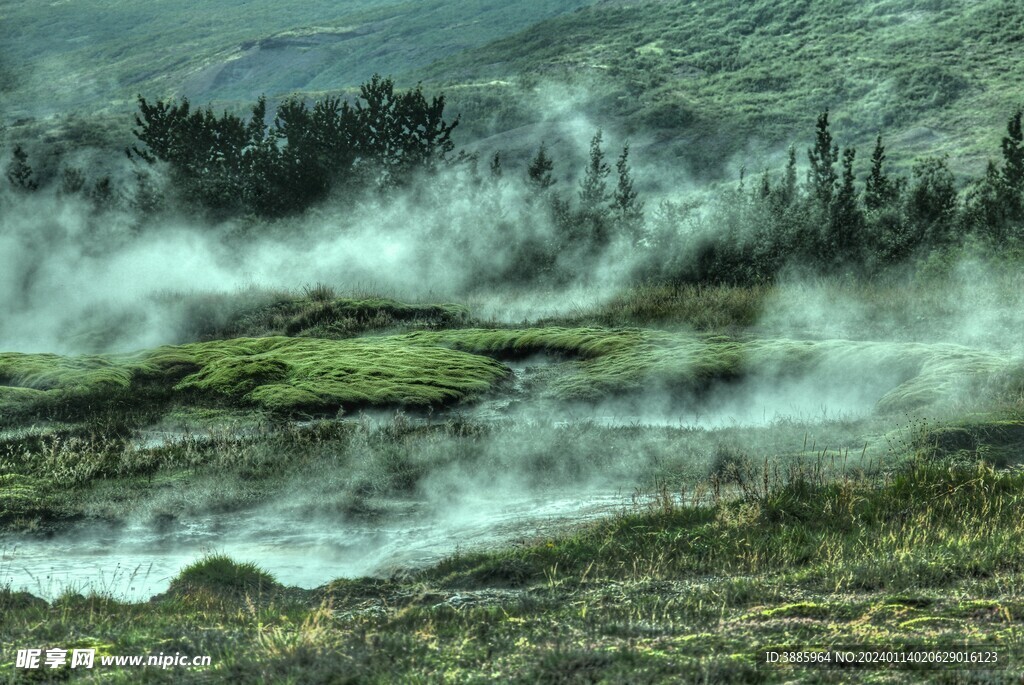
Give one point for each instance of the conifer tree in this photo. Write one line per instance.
(593, 193)
(539, 172)
(846, 218)
(823, 156)
(1013, 168)
(1013, 153)
(72, 181)
(789, 180)
(878, 189)
(628, 209)
(19, 173)
(495, 167)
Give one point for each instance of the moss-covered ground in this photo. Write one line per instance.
(276, 373)
(441, 368)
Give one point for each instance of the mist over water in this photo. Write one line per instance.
(138, 561)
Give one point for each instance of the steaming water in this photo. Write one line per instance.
(137, 562)
(811, 399)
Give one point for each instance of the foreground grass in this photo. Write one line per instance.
(927, 553)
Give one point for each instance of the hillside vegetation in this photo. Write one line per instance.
(698, 81)
(694, 84)
(89, 55)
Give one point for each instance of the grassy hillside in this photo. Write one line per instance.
(91, 55)
(699, 86)
(694, 80)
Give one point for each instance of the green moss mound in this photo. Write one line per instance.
(285, 374)
(277, 374)
(621, 361)
(221, 574)
(50, 371)
(441, 368)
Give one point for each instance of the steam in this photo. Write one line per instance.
(69, 271)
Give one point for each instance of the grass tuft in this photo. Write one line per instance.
(219, 573)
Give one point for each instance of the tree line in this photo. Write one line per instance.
(832, 223)
(387, 140)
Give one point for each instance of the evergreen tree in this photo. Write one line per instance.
(19, 173)
(593, 193)
(932, 200)
(764, 190)
(400, 132)
(147, 199)
(72, 181)
(1013, 168)
(985, 207)
(846, 220)
(590, 229)
(823, 156)
(628, 209)
(495, 167)
(539, 172)
(782, 196)
(102, 194)
(789, 180)
(878, 189)
(229, 165)
(1013, 154)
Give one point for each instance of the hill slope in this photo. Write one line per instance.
(699, 87)
(699, 79)
(88, 55)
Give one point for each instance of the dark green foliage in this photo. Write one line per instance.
(593, 193)
(206, 155)
(147, 199)
(1013, 154)
(846, 221)
(400, 132)
(495, 167)
(986, 211)
(821, 177)
(232, 166)
(878, 189)
(787, 192)
(539, 172)
(587, 231)
(994, 205)
(103, 195)
(626, 207)
(1013, 169)
(827, 225)
(932, 200)
(19, 173)
(72, 181)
